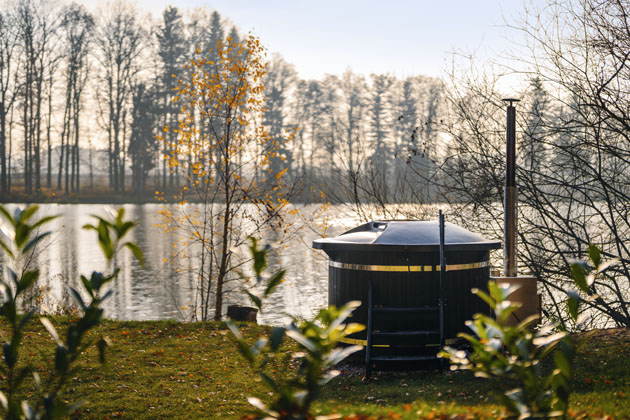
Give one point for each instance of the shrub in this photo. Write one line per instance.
(514, 355)
(294, 392)
(19, 238)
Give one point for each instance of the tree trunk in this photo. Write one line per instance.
(116, 155)
(48, 139)
(3, 149)
(10, 149)
(67, 164)
(38, 133)
(225, 243)
(124, 152)
(76, 146)
(90, 166)
(110, 161)
(61, 154)
(65, 131)
(25, 117)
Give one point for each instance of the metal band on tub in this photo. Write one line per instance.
(408, 268)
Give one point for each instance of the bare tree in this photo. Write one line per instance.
(574, 152)
(8, 88)
(36, 23)
(77, 24)
(119, 46)
(50, 94)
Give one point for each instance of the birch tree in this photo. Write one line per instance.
(226, 93)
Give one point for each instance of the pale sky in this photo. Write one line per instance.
(403, 37)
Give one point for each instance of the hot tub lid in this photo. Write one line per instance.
(412, 235)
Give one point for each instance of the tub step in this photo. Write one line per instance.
(424, 358)
(420, 333)
(399, 309)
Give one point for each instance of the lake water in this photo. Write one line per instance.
(165, 288)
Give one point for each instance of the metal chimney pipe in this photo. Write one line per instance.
(511, 192)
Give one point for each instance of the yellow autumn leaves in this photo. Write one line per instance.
(220, 145)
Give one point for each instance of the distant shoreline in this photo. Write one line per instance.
(128, 198)
(103, 198)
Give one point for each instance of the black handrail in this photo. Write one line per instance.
(368, 346)
(442, 275)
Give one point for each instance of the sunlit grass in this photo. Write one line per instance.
(161, 370)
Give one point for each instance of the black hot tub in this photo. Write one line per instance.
(402, 259)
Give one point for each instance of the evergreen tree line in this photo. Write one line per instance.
(84, 95)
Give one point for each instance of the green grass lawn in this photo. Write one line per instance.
(167, 370)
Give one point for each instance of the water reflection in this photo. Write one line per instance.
(164, 290)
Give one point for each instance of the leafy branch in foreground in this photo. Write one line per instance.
(18, 238)
(118, 228)
(24, 237)
(259, 265)
(318, 352)
(514, 354)
(593, 280)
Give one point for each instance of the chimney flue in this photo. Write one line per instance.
(511, 191)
